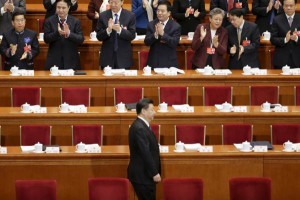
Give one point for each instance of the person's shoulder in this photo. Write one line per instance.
(29, 31)
(174, 24)
(230, 27)
(127, 12)
(105, 13)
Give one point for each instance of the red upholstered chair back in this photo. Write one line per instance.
(280, 133)
(250, 188)
(76, 95)
(271, 51)
(108, 188)
(40, 25)
(183, 189)
(173, 95)
(216, 95)
(190, 134)
(35, 189)
(297, 95)
(128, 94)
(156, 130)
(32, 134)
(87, 133)
(142, 58)
(261, 94)
(21, 95)
(236, 133)
(188, 56)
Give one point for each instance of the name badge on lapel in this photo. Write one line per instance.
(238, 4)
(210, 50)
(246, 42)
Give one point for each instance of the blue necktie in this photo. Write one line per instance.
(116, 35)
(272, 13)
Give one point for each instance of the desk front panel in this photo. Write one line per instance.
(116, 125)
(102, 87)
(73, 170)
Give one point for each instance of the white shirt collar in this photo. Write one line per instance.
(293, 15)
(118, 13)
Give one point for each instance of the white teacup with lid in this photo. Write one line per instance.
(246, 146)
(147, 70)
(247, 70)
(286, 69)
(93, 35)
(163, 107)
(80, 147)
(179, 146)
(54, 70)
(288, 146)
(226, 107)
(14, 70)
(266, 107)
(120, 107)
(64, 107)
(38, 147)
(107, 70)
(208, 70)
(25, 107)
(266, 35)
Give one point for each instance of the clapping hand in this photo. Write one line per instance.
(202, 33)
(13, 49)
(277, 4)
(196, 13)
(288, 36)
(233, 49)
(24, 56)
(215, 41)
(159, 29)
(110, 24)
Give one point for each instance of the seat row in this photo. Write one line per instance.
(231, 133)
(169, 94)
(258, 188)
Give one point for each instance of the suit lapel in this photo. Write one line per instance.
(245, 31)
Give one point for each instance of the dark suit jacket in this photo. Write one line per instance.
(188, 24)
(223, 4)
(200, 55)
(51, 8)
(94, 6)
(5, 19)
(124, 52)
(259, 8)
(250, 55)
(63, 52)
(163, 50)
(283, 51)
(144, 161)
(11, 37)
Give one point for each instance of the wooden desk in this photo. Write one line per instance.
(102, 86)
(116, 124)
(72, 170)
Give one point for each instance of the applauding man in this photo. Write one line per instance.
(19, 45)
(63, 33)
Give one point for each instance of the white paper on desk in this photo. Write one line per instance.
(199, 70)
(180, 71)
(180, 107)
(222, 72)
(192, 147)
(93, 148)
(168, 70)
(238, 146)
(139, 37)
(78, 108)
(118, 71)
(27, 148)
(219, 106)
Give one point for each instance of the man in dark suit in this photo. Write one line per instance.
(116, 30)
(265, 11)
(163, 35)
(63, 33)
(285, 36)
(144, 166)
(243, 41)
(19, 45)
(50, 6)
(227, 5)
(7, 8)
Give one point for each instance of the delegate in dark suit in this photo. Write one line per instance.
(144, 166)
(17, 6)
(63, 51)
(264, 15)
(245, 51)
(223, 4)
(163, 48)
(200, 47)
(190, 21)
(28, 37)
(51, 8)
(122, 56)
(93, 11)
(285, 53)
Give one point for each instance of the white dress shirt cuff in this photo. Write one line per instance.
(2, 11)
(53, 1)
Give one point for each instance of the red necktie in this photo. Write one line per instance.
(230, 4)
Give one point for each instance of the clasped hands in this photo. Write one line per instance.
(13, 49)
(8, 6)
(190, 10)
(159, 29)
(277, 4)
(113, 26)
(233, 50)
(215, 40)
(290, 36)
(65, 32)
